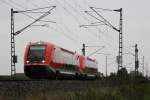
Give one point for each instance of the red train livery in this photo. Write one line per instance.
(46, 60)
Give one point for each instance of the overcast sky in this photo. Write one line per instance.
(66, 33)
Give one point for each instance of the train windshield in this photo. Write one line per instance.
(36, 53)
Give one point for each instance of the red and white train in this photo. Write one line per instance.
(46, 60)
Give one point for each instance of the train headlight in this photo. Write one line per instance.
(43, 61)
(27, 61)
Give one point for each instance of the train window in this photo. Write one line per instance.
(36, 53)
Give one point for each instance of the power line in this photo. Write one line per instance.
(67, 11)
(89, 30)
(104, 9)
(80, 14)
(81, 11)
(77, 12)
(50, 21)
(86, 20)
(116, 41)
(13, 34)
(96, 51)
(34, 9)
(8, 4)
(42, 16)
(23, 12)
(74, 41)
(47, 21)
(102, 21)
(65, 34)
(91, 25)
(107, 23)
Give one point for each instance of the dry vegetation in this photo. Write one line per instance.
(75, 90)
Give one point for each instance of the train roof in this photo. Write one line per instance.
(47, 43)
(40, 43)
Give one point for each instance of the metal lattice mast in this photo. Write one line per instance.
(13, 56)
(107, 23)
(120, 42)
(136, 60)
(13, 34)
(83, 49)
(143, 66)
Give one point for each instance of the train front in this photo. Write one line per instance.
(36, 60)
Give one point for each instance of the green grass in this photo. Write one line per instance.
(134, 91)
(124, 90)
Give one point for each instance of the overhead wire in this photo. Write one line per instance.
(16, 3)
(104, 40)
(36, 9)
(69, 14)
(72, 8)
(54, 29)
(110, 24)
(23, 12)
(66, 27)
(77, 12)
(110, 37)
(113, 38)
(76, 18)
(69, 11)
(74, 41)
(84, 17)
(30, 16)
(8, 4)
(89, 6)
(57, 1)
(104, 9)
(88, 21)
(107, 35)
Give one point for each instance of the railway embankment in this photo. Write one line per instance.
(101, 89)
